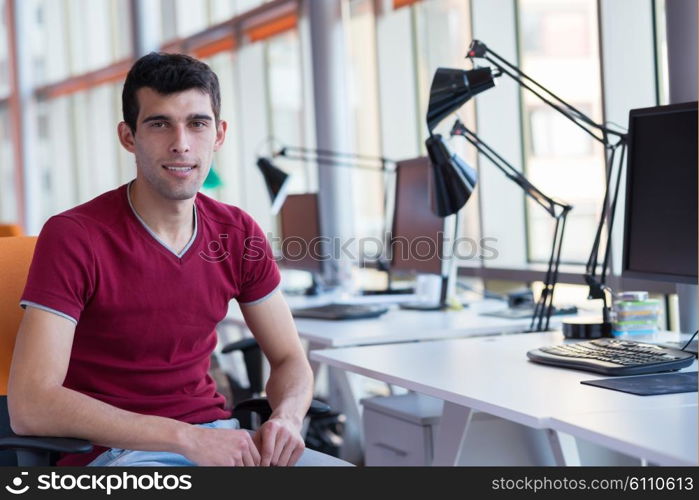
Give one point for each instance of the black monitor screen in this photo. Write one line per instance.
(417, 237)
(300, 230)
(660, 240)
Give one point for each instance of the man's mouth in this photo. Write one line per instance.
(179, 167)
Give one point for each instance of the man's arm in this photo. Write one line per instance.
(290, 385)
(39, 405)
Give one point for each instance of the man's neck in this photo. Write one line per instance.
(171, 220)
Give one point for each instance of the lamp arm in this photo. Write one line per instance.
(597, 287)
(480, 50)
(328, 155)
(557, 209)
(331, 162)
(552, 206)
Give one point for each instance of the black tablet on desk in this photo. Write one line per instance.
(649, 385)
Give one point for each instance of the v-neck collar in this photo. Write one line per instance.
(155, 236)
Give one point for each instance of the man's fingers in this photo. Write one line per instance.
(247, 459)
(254, 452)
(281, 441)
(285, 455)
(296, 455)
(268, 438)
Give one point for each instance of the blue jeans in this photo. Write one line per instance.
(116, 457)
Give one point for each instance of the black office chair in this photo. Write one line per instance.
(325, 428)
(250, 402)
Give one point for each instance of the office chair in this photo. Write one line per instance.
(325, 427)
(15, 258)
(248, 396)
(11, 230)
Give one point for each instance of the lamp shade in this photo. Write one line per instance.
(454, 180)
(451, 88)
(276, 181)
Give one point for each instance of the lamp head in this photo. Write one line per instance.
(454, 180)
(451, 88)
(276, 180)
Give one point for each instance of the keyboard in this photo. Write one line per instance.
(613, 357)
(679, 344)
(340, 311)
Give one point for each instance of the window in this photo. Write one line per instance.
(8, 188)
(8, 199)
(392, 57)
(78, 149)
(72, 37)
(4, 51)
(559, 49)
(183, 18)
(362, 72)
(663, 74)
(287, 119)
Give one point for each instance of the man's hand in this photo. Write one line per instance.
(279, 442)
(205, 446)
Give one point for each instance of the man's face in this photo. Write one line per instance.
(176, 136)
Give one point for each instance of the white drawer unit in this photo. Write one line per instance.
(400, 430)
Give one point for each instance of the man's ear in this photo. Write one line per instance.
(126, 137)
(220, 134)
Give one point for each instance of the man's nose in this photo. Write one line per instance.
(180, 141)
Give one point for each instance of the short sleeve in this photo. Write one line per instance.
(61, 275)
(260, 273)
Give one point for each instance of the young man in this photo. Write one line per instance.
(125, 291)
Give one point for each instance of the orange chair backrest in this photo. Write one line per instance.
(15, 257)
(11, 230)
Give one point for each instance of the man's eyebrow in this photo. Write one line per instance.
(193, 116)
(200, 117)
(156, 118)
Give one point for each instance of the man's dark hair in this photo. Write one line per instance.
(167, 74)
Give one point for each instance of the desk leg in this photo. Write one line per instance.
(452, 432)
(315, 365)
(564, 448)
(343, 397)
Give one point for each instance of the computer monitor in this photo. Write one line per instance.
(300, 233)
(660, 232)
(417, 234)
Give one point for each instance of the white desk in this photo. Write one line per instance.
(493, 375)
(399, 325)
(395, 326)
(663, 436)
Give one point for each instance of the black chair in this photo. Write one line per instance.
(325, 427)
(250, 402)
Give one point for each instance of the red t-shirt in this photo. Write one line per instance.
(145, 316)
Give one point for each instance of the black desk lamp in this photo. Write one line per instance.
(461, 83)
(454, 180)
(277, 179)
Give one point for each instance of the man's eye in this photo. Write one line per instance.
(157, 124)
(198, 124)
